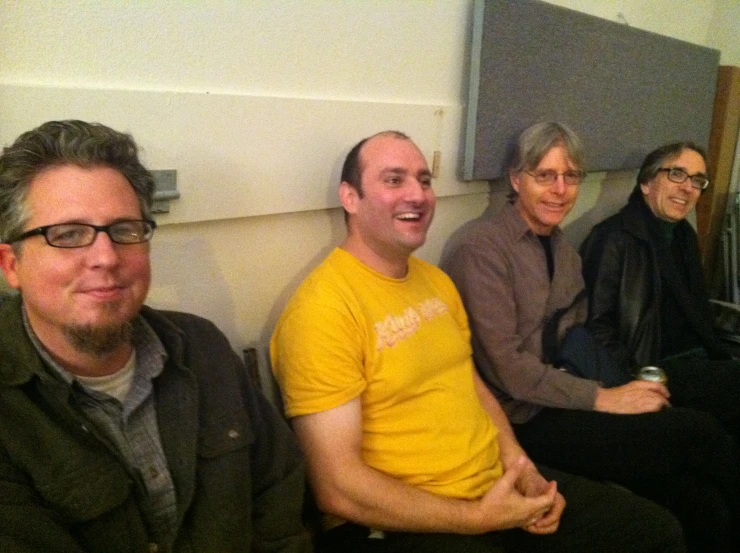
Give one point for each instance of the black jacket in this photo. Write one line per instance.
(622, 274)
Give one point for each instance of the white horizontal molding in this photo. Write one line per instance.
(240, 156)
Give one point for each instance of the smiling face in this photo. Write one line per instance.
(543, 207)
(390, 218)
(672, 201)
(94, 288)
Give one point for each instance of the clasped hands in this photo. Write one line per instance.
(522, 498)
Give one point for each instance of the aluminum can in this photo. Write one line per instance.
(652, 374)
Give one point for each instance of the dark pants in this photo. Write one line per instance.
(598, 518)
(682, 458)
(711, 386)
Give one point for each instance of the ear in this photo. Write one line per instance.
(645, 187)
(349, 197)
(8, 264)
(514, 177)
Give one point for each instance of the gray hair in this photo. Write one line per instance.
(59, 143)
(534, 143)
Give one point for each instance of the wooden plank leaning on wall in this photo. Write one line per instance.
(710, 210)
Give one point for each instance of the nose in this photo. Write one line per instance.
(686, 186)
(416, 191)
(103, 251)
(559, 185)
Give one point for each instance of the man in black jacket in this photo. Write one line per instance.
(122, 429)
(648, 301)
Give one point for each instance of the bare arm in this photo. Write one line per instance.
(530, 482)
(348, 488)
(508, 444)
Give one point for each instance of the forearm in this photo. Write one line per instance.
(530, 483)
(508, 444)
(346, 487)
(373, 499)
(638, 396)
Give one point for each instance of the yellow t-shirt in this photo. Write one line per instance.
(403, 346)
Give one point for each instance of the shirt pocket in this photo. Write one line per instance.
(224, 432)
(82, 487)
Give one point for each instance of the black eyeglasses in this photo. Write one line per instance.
(678, 175)
(79, 235)
(548, 178)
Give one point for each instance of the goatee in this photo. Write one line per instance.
(99, 341)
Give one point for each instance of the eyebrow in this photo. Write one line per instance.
(81, 221)
(394, 170)
(703, 174)
(402, 171)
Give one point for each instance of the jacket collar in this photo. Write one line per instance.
(19, 360)
(635, 216)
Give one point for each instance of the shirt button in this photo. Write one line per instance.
(233, 434)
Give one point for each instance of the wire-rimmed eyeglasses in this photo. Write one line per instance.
(679, 176)
(79, 235)
(547, 178)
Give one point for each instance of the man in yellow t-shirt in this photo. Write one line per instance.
(407, 449)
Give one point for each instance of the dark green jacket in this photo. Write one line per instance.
(238, 474)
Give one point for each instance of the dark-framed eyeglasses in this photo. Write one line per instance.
(548, 178)
(79, 235)
(678, 175)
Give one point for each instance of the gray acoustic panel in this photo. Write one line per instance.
(624, 91)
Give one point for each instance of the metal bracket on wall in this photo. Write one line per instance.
(165, 190)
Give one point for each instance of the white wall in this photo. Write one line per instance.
(240, 271)
(687, 20)
(724, 31)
